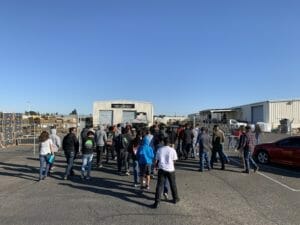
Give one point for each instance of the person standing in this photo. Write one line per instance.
(88, 146)
(246, 144)
(132, 149)
(71, 147)
(257, 131)
(195, 131)
(145, 156)
(217, 147)
(56, 144)
(122, 143)
(205, 146)
(187, 141)
(165, 158)
(100, 139)
(45, 148)
(110, 149)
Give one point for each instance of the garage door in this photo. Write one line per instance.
(257, 114)
(106, 117)
(128, 116)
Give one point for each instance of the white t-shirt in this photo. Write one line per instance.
(166, 156)
(45, 147)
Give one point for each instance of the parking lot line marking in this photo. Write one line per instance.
(272, 179)
(276, 181)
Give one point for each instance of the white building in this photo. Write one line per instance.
(122, 111)
(270, 112)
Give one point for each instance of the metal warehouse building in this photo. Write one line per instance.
(272, 112)
(122, 111)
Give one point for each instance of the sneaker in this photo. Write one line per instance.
(136, 185)
(245, 171)
(65, 177)
(147, 187)
(256, 169)
(127, 173)
(166, 196)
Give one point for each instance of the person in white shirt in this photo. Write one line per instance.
(165, 158)
(45, 148)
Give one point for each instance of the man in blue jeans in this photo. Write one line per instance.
(205, 146)
(71, 147)
(88, 146)
(247, 142)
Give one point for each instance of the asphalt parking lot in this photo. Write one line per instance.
(271, 196)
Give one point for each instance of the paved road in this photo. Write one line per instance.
(271, 196)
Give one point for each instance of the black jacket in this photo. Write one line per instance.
(70, 143)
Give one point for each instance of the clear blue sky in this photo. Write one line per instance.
(183, 56)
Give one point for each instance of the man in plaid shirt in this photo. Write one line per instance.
(247, 143)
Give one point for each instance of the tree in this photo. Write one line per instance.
(74, 112)
(31, 113)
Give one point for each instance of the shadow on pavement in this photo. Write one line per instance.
(21, 171)
(273, 168)
(110, 187)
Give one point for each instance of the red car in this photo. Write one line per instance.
(285, 151)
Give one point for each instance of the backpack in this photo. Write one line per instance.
(88, 144)
(122, 142)
(110, 137)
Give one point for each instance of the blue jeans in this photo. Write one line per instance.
(136, 171)
(257, 136)
(203, 155)
(44, 166)
(249, 160)
(70, 160)
(86, 164)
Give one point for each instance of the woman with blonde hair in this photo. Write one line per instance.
(45, 148)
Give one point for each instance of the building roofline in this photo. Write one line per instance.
(121, 100)
(219, 110)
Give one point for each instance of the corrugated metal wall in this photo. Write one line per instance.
(285, 110)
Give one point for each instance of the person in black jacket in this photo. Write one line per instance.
(71, 147)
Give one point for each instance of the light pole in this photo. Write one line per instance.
(33, 138)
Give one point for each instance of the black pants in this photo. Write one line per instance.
(214, 157)
(161, 177)
(110, 150)
(186, 150)
(122, 157)
(100, 150)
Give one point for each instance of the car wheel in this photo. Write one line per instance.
(263, 157)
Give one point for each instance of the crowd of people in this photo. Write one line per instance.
(146, 150)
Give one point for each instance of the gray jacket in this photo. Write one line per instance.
(100, 137)
(55, 139)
